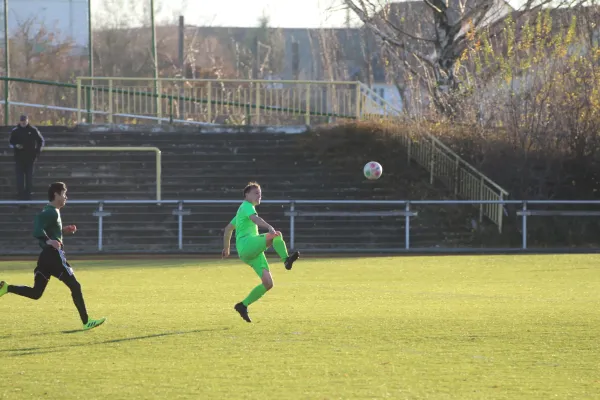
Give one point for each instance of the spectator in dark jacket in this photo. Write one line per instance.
(27, 143)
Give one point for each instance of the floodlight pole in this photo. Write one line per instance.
(6, 66)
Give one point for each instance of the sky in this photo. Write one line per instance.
(282, 13)
(69, 17)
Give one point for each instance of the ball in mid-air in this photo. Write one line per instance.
(373, 170)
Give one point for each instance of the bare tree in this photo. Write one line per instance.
(122, 40)
(39, 53)
(427, 37)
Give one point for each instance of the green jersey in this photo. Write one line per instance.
(244, 226)
(48, 225)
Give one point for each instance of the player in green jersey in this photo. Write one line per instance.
(251, 245)
(52, 261)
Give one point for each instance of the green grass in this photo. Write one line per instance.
(497, 327)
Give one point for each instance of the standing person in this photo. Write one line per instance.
(49, 231)
(27, 143)
(251, 246)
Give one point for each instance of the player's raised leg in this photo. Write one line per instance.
(276, 240)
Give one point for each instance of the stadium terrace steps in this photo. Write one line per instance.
(205, 166)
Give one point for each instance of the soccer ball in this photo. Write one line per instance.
(373, 170)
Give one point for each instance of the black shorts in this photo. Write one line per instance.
(52, 262)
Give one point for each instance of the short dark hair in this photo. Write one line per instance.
(56, 187)
(250, 186)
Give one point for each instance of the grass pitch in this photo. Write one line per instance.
(482, 327)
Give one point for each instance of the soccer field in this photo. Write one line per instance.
(454, 327)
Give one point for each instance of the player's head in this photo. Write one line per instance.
(57, 194)
(252, 193)
(23, 120)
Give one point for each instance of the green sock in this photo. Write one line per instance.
(255, 294)
(280, 247)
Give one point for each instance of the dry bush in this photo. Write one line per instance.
(530, 117)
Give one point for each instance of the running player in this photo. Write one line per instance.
(251, 246)
(48, 230)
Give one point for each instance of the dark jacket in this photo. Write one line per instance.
(31, 140)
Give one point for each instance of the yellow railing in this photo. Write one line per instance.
(280, 102)
(256, 102)
(156, 150)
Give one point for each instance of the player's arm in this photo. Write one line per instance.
(14, 142)
(262, 223)
(227, 235)
(227, 238)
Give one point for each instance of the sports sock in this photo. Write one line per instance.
(255, 294)
(280, 247)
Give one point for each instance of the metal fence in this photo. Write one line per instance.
(317, 226)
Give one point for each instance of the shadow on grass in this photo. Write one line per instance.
(51, 349)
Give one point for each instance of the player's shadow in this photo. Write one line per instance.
(52, 349)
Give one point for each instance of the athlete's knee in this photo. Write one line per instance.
(36, 294)
(277, 234)
(268, 284)
(267, 281)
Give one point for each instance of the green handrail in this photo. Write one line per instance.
(248, 106)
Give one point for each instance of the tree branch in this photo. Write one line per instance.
(384, 37)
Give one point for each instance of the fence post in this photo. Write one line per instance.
(110, 101)
(78, 100)
(432, 166)
(158, 175)
(209, 102)
(456, 176)
(481, 196)
(100, 213)
(292, 225)
(409, 146)
(500, 213)
(180, 222)
(307, 111)
(158, 95)
(257, 103)
(100, 226)
(407, 227)
(180, 212)
(171, 110)
(358, 101)
(524, 226)
(90, 102)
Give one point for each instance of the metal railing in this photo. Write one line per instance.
(256, 102)
(166, 224)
